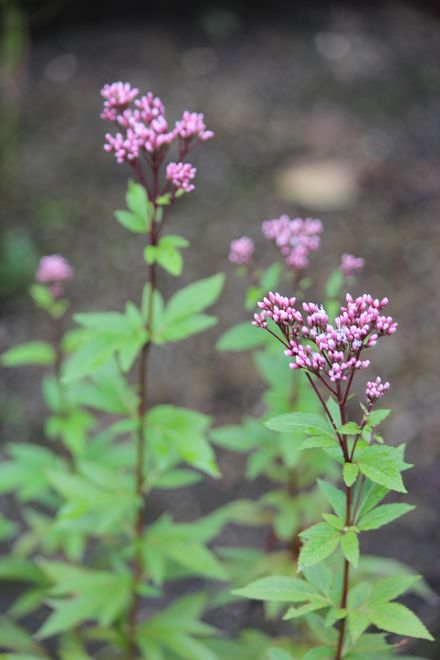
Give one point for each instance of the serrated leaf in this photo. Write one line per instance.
(296, 612)
(382, 515)
(321, 541)
(382, 464)
(29, 353)
(350, 472)
(279, 589)
(308, 422)
(398, 619)
(376, 417)
(320, 576)
(392, 587)
(350, 547)
(334, 497)
(317, 442)
(358, 622)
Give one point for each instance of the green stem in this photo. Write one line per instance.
(138, 562)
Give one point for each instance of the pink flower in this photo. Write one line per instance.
(180, 174)
(350, 265)
(149, 107)
(53, 270)
(143, 125)
(331, 351)
(125, 148)
(296, 239)
(118, 97)
(241, 251)
(376, 389)
(192, 125)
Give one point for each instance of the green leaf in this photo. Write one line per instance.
(241, 337)
(319, 653)
(233, 437)
(133, 222)
(321, 541)
(316, 442)
(41, 296)
(137, 200)
(84, 594)
(194, 298)
(271, 277)
(382, 464)
(372, 494)
(307, 422)
(398, 619)
(177, 478)
(350, 472)
(350, 428)
(296, 612)
(392, 587)
(171, 260)
(32, 352)
(334, 497)
(350, 547)
(278, 654)
(320, 576)
(164, 200)
(184, 328)
(279, 589)
(334, 284)
(375, 417)
(382, 515)
(173, 241)
(358, 622)
(184, 431)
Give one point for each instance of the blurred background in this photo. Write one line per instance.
(328, 109)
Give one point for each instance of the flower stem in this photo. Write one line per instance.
(138, 562)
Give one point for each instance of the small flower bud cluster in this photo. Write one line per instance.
(145, 131)
(181, 175)
(280, 309)
(350, 265)
(241, 251)
(54, 270)
(296, 238)
(330, 351)
(118, 97)
(376, 389)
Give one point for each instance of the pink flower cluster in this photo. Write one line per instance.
(376, 389)
(295, 238)
(330, 351)
(143, 126)
(241, 251)
(53, 270)
(181, 175)
(350, 265)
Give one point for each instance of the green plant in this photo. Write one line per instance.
(329, 352)
(83, 548)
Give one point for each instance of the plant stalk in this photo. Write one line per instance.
(138, 562)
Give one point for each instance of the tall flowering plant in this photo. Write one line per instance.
(284, 509)
(84, 551)
(330, 354)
